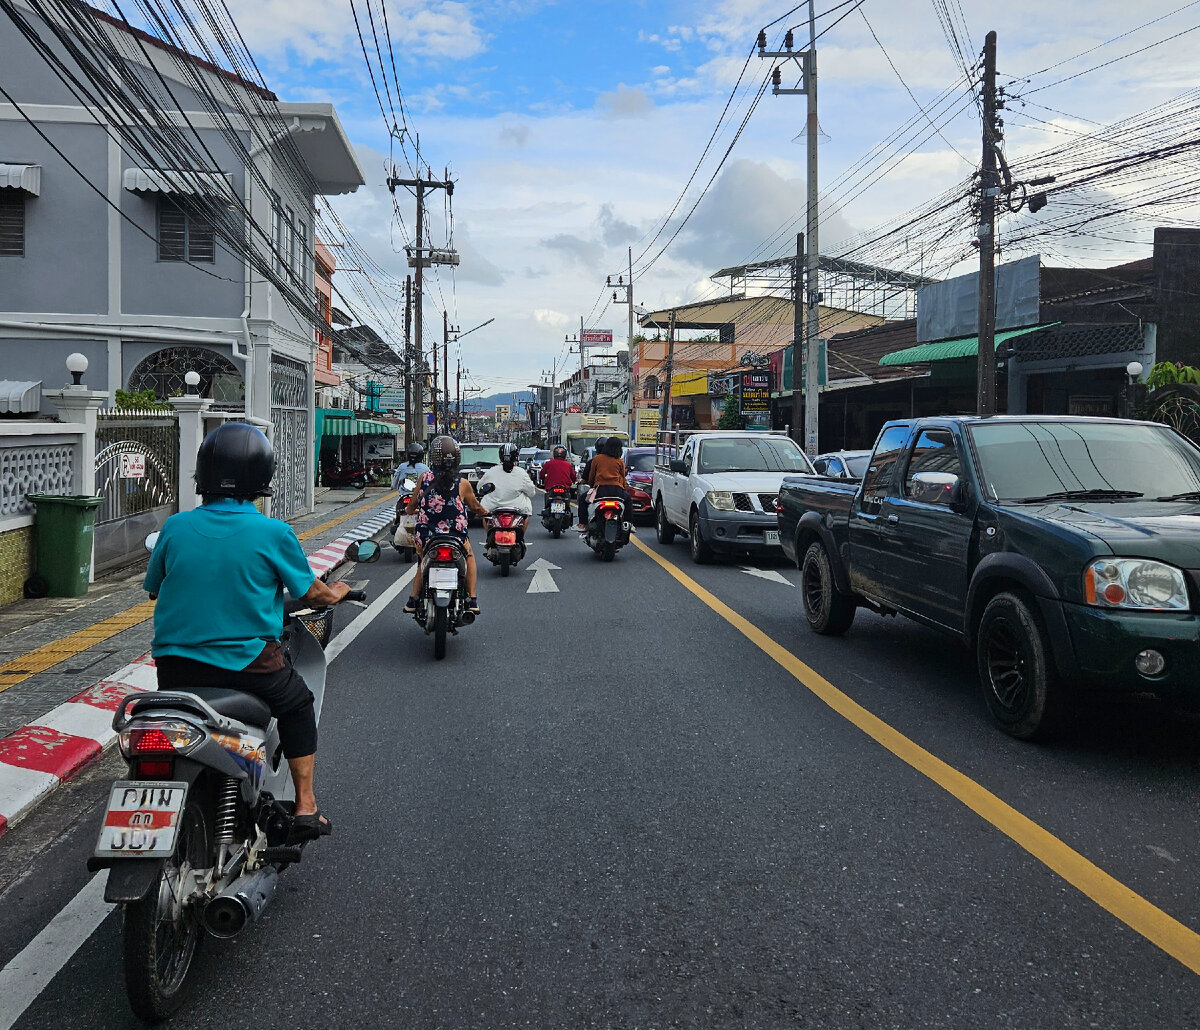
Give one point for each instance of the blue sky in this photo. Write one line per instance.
(571, 128)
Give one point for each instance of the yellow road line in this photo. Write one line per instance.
(308, 534)
(48, 655)
(32, 662)
(1173, 937)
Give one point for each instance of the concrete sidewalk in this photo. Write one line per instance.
(65, 663)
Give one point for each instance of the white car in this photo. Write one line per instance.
(842, 464)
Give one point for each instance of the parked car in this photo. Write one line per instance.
(842, 464)
(1062, 550)
(723, 488)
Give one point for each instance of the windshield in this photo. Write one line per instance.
(527, 452)
(542, 456)
(1020, 460)
(580, 445)
(643, 461)
(858, 464)
(770, 454)
(480, 453)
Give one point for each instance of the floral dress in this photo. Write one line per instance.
(439, 514)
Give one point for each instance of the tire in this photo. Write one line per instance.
(157, 965)
(828, 611)
(702, 553)
(556, 532)
(1016, 669)
(504, 563)
(360, 483)
(666, 532)
(440, 619)
(607, 552)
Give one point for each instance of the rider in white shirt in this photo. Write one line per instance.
(412, 469)
(513, 487)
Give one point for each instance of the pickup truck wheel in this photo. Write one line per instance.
(1016, 670)
(702, 553)
(828, 610)
(666, 532)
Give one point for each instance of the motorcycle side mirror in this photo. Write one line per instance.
(363, 551)
(486, 489)
(151, 541)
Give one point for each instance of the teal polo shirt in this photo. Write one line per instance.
(219, 572)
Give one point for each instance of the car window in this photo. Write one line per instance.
(821, 466)
(768, 454)
(934, 451)
(642, 461)
(477, 454)
(858, 465)
(542, 456)
(686, 456)
(879, 477)
(835, 467)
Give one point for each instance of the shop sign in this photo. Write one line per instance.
(755, 392)
(646, 431)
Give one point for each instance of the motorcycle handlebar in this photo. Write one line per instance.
(356, 595)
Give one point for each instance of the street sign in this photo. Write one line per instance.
(646, 431)
(596, 336)
(391, 399)
(755, 393)
(573, 409)
(133, 466)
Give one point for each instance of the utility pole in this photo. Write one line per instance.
(446, 371)
(989, 189)
(409, 435)
(433, 389)
(807, 59)
(418, 257)
(628, 287)
(458, 398)
(797, 331)
(664, 414)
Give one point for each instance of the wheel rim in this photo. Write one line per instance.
(176, 928)
(694, 536)
(813, 585)
(1006, 656)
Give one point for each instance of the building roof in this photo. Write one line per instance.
(856, 355)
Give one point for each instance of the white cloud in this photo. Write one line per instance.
(548, 318)
(624, 102)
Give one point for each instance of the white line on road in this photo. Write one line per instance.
(543, 582)
(769, 575)
(24, 978)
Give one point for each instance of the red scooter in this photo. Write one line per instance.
(338, 475)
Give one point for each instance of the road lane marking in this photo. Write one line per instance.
(768, 574)
(308, 534)
(26, 976)
(1177, 940)
(347, 636)
(543, 582)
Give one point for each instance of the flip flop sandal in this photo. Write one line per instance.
(309, 827)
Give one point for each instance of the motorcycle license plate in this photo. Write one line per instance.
(558, 506)
(771, 536)
(142, 819)
(443, 579)
(506, 537)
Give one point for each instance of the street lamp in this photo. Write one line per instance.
(192, 379)
(1134, 390)
(77, 364)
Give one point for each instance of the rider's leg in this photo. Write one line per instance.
(471, 572)
(418, 580)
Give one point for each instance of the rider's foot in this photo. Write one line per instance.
(410, 606)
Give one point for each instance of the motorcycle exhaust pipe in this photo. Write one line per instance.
(241, 903)
(467, 618)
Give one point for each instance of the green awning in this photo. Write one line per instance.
(946, 350)
(357, 427)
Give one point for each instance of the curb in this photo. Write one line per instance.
(36, 759)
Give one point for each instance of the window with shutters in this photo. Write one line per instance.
(185, 231)
(12, 223)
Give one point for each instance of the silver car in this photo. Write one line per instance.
(842, 464)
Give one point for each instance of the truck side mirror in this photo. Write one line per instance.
(680, 466)
(941, 488)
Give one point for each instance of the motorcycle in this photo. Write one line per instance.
(338, 475)
(404, 525)
(195, 837)
(442, 607)
(608, 527)
(557, 515)
(505, 544)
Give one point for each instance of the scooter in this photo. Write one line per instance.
(505, 543)
(354, 475)
(608, 527)
(405, 525)
(196, 835)
(442, 608)
(557, 515)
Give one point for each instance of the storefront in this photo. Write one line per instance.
(343, 439)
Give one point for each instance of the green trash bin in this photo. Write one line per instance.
(63, 527)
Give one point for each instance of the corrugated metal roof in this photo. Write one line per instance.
(946, 350)
(21, 177)
(181, 181)
(24, 398)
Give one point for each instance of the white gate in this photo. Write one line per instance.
(292, 442)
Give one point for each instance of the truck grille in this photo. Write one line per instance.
(742, 502)
(768, 503)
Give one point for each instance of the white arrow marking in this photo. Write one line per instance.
(543, 582)
(768, 575)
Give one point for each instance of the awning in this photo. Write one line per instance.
(24, 398)
(946, 350)
(358, 427)
(183, 182)
(21, 177)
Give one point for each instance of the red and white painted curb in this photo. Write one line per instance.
(39, 757)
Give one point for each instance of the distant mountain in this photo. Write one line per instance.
(489, 403)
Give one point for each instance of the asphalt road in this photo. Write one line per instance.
(609, 806)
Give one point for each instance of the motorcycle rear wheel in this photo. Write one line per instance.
(161, 937)
(440, 619)
(504, 563)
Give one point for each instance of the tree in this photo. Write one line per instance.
(731, 417)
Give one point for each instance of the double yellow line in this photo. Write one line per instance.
(1173, 937)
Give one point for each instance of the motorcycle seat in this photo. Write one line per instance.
(235, 704)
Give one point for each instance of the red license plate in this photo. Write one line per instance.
(505, 536)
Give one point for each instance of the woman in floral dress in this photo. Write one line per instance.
(440, 503)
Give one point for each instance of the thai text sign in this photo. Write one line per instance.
(756, 392)
(133, 466)
(596, 336)
(647, 425)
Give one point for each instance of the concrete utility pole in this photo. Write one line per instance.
(807, 59)
(621, 283)
(419, 257)
(409, 435)
(797, 331)
(989, 188)
(446, 370)
(664, 414)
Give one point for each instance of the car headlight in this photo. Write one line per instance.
(1135, 583)
(722, 500)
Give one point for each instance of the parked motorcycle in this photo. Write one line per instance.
(505, 544)
(608, 527)
(557, 516)
(338, 475)
(196, 836)
(442, 607)
(379, 473)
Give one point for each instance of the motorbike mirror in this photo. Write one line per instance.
(151, 541)
(363, 551)
(486, 489)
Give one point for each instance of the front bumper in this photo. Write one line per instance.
(1106, 642)
(738, 530)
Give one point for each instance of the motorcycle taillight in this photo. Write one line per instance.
(444, 553)
(506, 520)
(150, 742)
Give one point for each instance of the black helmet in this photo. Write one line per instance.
(235, 460)
(600, 444)
(443, 454)
(415, 452)
(508, 455)
(560, 452)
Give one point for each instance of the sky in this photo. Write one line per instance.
(571, 129)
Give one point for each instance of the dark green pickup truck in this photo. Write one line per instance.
(1064, 551)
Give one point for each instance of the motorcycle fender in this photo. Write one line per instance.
(442, 599)
(612, 530)
(131, 879)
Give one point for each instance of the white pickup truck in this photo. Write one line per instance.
(720, 488)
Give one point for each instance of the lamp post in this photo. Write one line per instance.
(1133, 388)
(77, 364)
(192, 379)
